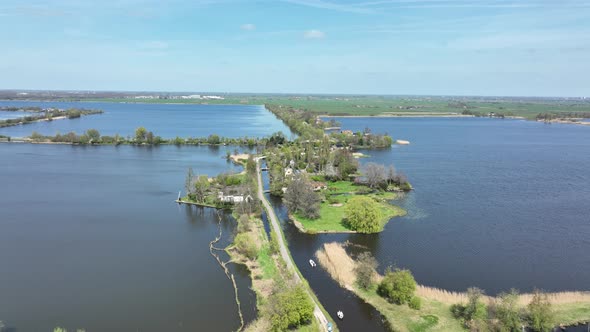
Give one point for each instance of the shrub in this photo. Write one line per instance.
(365, 270)
(289, 307)
(415, 303)
(397, 286)
(540, 313)
(245, 245)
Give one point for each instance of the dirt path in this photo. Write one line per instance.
(318, 313)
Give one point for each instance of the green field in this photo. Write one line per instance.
(332, 217)
(392, 105)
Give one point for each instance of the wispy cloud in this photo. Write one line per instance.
(314, 34)
(248, 27)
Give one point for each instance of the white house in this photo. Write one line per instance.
(233, 198)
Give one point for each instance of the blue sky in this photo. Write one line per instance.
(439, 47)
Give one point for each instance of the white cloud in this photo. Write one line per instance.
(314, 34)
(248, 27)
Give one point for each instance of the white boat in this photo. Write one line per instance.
(340, 314)
(312, 263)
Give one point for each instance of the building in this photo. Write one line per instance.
(233, 198)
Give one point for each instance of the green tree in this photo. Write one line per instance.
(365, 270)
(213, 139)
(289, 307)
(246, 245)
(201, 188)
(397, 286)
(251, 165)
(363, 214)
(507, 312)
(540, 313)
(93, 135)
(140, 134)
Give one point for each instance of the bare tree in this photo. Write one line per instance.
(375, 174)
(188, 182)
(301, 198)
(391, 174)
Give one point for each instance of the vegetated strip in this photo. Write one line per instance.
(436, 309)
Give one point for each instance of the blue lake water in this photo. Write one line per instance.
(498, 204)
(5, 115)
(90, 238)
(165, 120)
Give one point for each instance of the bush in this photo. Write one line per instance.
(473, 315)
(246, 246)
(540, 313)
(365, 270)
(415, 303)
(289, 307)
(397, 286)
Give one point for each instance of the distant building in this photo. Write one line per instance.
(233, 198)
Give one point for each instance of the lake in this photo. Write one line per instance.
(165, 120)
(90, 238)
(498, 204)
(5, 115)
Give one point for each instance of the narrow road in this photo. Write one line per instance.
(274, 221)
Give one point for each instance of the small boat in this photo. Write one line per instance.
(312, 263)
(340, 314)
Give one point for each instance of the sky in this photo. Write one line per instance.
(398, 47)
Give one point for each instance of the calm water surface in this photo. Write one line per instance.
(165, 120)
(498, 203)
(5, 115)
(90, 238)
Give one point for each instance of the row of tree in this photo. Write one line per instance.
(504, 314)
(48, 115)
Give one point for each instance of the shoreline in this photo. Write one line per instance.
(334, 259)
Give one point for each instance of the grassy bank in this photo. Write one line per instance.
(435, 311)
(332, 210)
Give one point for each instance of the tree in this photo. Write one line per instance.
(540, 313)
(363, 214)
(213, 139)
(289, 307)
(301, 198)
(391, 174)
(375, 174)
(201, 187)
(149, 137)
(246, 245)
(140, 134)
(251, 165)
(277, 138)
(365, 269)
(507, 312)
(188, 182)
(93, 135)
(474, 314)
(397, 286)
(345, 163)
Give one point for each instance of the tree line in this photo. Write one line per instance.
(48, 115)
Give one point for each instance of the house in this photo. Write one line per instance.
(233, 198)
